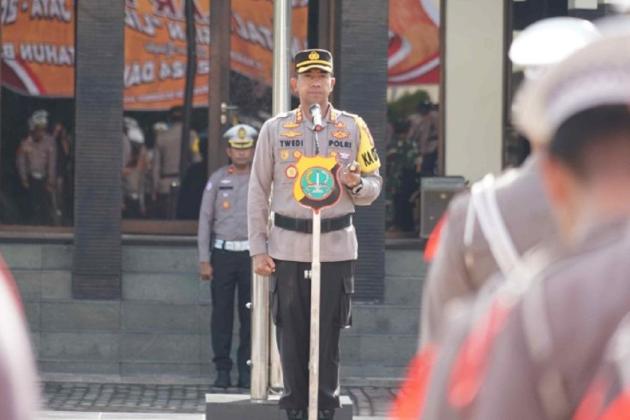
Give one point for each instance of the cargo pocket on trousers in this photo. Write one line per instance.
(273, 300)
(345, 303)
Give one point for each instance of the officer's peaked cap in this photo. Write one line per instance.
(314, 58)
(241, 136)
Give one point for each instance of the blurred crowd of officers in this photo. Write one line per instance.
(152, 186)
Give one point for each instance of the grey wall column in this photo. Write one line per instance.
(98, 133)
(361, 71)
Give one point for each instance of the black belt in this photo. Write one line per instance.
(306, 225)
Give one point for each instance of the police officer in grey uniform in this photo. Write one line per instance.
(284, 251)
(467, 254)
(37, 168)
(166, 163)
(555, 336)
(224, 256)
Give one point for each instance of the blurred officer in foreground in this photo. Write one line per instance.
(284, 252)
(19, 390)
(536, 351)
(224, 253)
(36, 164)
(489, 229)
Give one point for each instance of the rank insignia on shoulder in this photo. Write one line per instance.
(290, 125)
(284, 154)
(290, 134)
(340, 134)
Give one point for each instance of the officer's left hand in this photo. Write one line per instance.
(205, 270)
(350, 175)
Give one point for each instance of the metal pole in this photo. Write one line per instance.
(281, 56)
(260, 338)
(313, 365)
(281, 103)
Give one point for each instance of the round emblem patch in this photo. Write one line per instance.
(297, 154)
(291, 172)
(317, 183)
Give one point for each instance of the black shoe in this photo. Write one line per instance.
(223, 379)
(328, 414)
(293, 414)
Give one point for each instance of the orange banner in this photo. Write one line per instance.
(38, 47)
(38, 42)
(39, 53)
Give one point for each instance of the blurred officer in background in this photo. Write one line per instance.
(36, 164)
(166, 163)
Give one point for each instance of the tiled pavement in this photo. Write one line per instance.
(65, 397)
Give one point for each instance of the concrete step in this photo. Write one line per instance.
(404, 263)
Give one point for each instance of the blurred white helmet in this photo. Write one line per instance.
(134, 133)
(549, 41)
(38, 119)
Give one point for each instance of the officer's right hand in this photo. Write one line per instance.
(264, 265)
(205, 270)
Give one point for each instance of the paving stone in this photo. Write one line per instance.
(149, 398)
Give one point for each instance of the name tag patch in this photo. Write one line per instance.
(291, 143)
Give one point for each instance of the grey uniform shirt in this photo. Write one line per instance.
(459, 271)
(223, 213)
(554, 340)
(37, 158)
(282, 140)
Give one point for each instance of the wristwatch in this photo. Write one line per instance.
(357, 188)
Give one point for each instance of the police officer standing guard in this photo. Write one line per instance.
(284, 252)
(37, 164)
(223, 224)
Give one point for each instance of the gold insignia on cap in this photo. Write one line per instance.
(291, 134)
(340, 134)
(314, 55)
(242, 133)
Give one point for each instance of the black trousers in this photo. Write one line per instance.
(291, 310)
(232, 271)
(39, 202)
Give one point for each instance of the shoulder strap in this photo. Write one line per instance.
(486, 210)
